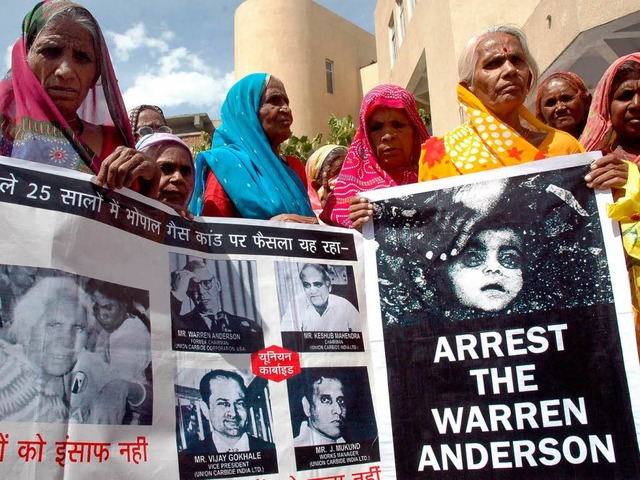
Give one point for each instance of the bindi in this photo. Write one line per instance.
(504, 49)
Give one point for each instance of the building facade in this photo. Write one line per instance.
(418, 42)
(316, 53)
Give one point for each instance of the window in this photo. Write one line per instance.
(411, 8)
(401, 15)
(328, 66)
(392, 41)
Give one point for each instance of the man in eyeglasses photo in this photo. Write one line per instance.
(197, 284)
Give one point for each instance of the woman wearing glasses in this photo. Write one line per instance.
(147, 119)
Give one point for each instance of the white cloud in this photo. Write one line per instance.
(7, 58)
(137, 38)
(188, 88)
(168, 75)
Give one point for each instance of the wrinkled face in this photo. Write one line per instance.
(625, 110)
(109, 312)
(177, 176)
(487, 274)
(204, 289)
(63, 60)
(328, 409)
(227, 407)
(150, 121)
(562, 106)
(57, 341)
(501, 76)
(392, 137)
(274, 113)
(315, 287)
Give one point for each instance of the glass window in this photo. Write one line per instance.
(401, 15)
(392, 40)
(328, 66)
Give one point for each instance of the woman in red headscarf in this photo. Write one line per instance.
(384, 153)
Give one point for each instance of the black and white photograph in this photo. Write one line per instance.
(318, 307)
(214, 305)
(494, 295)
(332, 417)
(223, 424)
(73, 349)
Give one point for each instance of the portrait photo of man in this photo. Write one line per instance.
(211, 298)
(332, 406)
(325, 407)
(224, 393)
(313, 307)
(224, 414)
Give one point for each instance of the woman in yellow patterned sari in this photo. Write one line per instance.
(497, 72)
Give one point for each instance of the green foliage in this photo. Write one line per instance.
(426, 117)
(205, 144)
(301, 147)
(341, 132)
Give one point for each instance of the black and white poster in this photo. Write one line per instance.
(505, 346)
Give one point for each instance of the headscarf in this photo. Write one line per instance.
(569, 77)
(485, 142)
(31, 127)
(598, 133)
(312, 168)
(134, 115)
(361, 171)
(148, 141)
(256, 180)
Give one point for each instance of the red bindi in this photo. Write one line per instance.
(504, 49)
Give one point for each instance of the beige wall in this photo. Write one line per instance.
(291, 39)
(440, 29)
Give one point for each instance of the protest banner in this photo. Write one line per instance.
(501, 328)
(137, 344)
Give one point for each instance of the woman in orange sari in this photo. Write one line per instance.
(497, 72)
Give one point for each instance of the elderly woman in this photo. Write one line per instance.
(563, 102)
(322, 169)
(613, 126)
(177, 171)
(497, 72)
(243, 174)
(384, 153)
(147, 119)
(50, 330)
(60, 103)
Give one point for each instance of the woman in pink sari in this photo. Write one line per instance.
(60, 103)
(384, 153)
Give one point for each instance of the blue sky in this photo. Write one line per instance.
(175, 53)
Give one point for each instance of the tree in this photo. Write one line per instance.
(205, 144)
(341, 132)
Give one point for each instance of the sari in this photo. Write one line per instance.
(312, 168)
(361, 171)
(257, 181)
(599, 135)
(485, 143)
(32, 128)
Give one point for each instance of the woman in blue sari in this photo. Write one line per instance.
(243, 174)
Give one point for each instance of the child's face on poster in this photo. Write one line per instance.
(487, 274)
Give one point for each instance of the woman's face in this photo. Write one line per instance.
(56, 342)
(625, 110)
(562, 106)
(501, 76)
(177, 176)
(487, 274)
(63, 60)
(149, 118)
(274, 114)
(392, 137)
